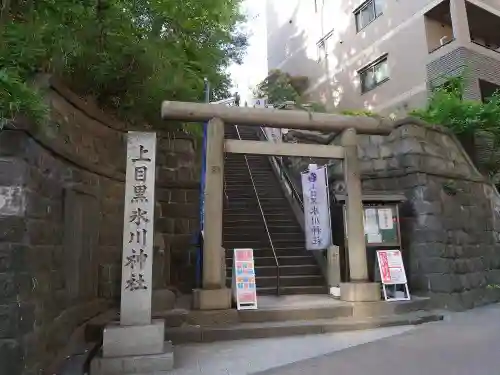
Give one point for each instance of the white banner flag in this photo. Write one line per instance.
(273, 134)
(316, 208)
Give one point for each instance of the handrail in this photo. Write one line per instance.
(263, 219)
(284, 174)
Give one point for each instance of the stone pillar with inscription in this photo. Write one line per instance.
(135, 345)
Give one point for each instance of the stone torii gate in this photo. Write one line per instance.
(214, 294)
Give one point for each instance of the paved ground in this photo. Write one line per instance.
(243, 357)
(464, 344)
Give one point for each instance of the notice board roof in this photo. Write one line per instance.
(377, 197)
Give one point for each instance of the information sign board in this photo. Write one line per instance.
(392, 272)
(243, 280)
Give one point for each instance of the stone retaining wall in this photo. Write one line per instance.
(61, 219)
(450, 222)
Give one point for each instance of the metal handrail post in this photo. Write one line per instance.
(263, 219)
(283, 173)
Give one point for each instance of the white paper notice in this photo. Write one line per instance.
(385, 218)
(374, 238)
(371, 226)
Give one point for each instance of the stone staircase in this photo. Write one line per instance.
(244, 226)
(279, 317)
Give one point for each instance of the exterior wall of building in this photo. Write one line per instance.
(402, 31)
(475, 62)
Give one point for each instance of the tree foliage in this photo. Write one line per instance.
(127, 55)
(470, 118)
(280, 87)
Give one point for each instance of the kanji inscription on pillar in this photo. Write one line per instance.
(138, 229)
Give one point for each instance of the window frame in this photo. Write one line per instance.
(371, 66)
(359, 10)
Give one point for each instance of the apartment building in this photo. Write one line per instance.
(385, 55)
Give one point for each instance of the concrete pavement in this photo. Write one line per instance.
(464, 344)
(244, 357)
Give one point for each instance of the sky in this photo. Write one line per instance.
(254, 68)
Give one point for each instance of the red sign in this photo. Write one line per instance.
(392, 270)
(243, 255)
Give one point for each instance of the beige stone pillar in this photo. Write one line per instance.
(214, 294)
(214, 205)
(358, 289)
(354, 204)
(460, 22)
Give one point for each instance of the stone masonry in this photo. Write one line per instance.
(61, 207)
(450, 223)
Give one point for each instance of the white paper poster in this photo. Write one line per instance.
(385, 218)
(316, 208)
(371, 225)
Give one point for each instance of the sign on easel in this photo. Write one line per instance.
(392, 273)
(243, 280)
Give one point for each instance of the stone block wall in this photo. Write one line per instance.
(450, 222)
(61, 220)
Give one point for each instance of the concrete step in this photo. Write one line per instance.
(252, 206)
(261, 186)
(289, 270)
(236, 218)
(259, 251)
(242, 191)
(269, 254)
(241, 331)
(294, 290)
(238, 235)
(258, 225)
(281, 246)
(278, 207)
(235, 207)
(303, 280)
(258, 229)
(242, 173)
(251, 201)
(303, 260)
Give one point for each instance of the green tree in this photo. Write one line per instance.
(279, 87)
(128, 55)
(473, 120)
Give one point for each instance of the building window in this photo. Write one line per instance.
(374, 74)
(367, 13)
